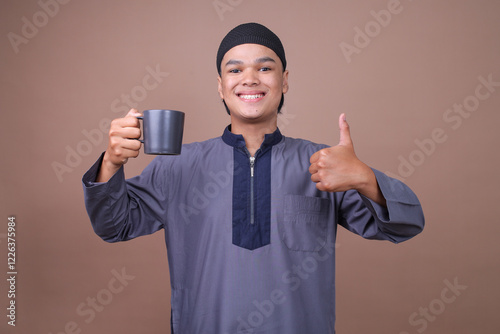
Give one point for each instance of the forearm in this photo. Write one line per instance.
(371, 189)
(400, 219)
(120, 210)
(402, 216)
(107, 169)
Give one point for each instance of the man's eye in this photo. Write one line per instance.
(264, 69)
(234, 70)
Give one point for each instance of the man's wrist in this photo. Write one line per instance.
(369, 187)
(107, 169)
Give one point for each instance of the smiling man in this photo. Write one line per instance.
(252, 82)
(250, 218)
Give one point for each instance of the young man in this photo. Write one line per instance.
(250, 218)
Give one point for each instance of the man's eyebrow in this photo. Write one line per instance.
(264, 59)
(233, 62)
(257, 61)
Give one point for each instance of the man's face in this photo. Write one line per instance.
(252, 82)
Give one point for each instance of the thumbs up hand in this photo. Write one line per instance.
(337, 168)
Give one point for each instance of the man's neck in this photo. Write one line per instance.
(254, 134)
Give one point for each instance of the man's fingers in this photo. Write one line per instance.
(126, 122)
(345, 133)
(124, 148)
(317, 160)
(315, 177)
(133, 113)
(314, 157)
(129, 121)
(131, 118)
(313, 169)
(124, 128)
(131, 144)
(130, 133)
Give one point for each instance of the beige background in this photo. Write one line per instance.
(70, 75)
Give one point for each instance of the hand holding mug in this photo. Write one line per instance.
(163, 131)
(122, 144)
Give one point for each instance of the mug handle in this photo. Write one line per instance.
(141, 140)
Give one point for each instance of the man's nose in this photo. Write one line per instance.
(250, 77)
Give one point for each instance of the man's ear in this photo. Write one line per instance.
(219, 87)
(285, 82)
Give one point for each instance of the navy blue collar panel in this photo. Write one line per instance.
(238, 141)
(251, 212)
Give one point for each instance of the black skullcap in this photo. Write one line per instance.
(251, 33)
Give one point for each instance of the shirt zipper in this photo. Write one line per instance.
(252, 164)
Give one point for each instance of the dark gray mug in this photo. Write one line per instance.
(162, 131)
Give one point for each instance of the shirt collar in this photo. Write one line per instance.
(235, 140)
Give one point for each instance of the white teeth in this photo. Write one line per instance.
(251, 97)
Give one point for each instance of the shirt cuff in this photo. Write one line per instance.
(90, 177)
(397, 195)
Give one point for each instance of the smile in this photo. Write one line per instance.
(251, 96)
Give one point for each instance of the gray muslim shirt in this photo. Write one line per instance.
(250, 244)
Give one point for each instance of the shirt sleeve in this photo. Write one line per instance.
(122, 209)
(402, 219)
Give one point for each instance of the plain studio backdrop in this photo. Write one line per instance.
(420, 84)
